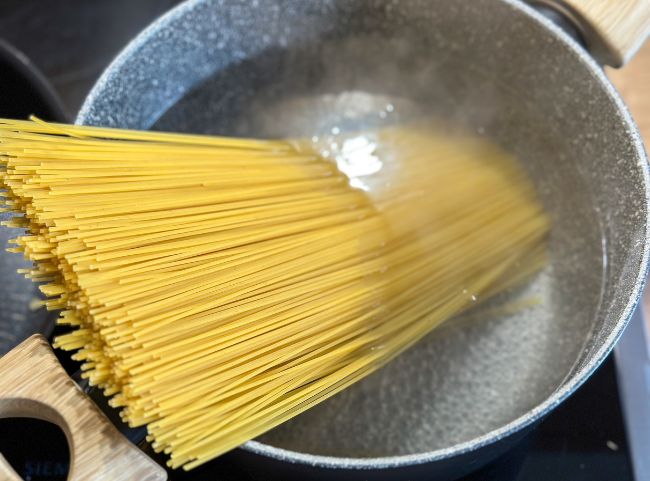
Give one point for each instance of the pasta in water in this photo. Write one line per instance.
(220, 286)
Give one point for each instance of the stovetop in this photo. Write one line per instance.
(72, 41)
(582, 440)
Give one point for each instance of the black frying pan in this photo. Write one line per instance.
(23, 91)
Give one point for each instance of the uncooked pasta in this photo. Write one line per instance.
(217, 287)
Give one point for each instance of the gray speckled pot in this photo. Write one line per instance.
(280, 67)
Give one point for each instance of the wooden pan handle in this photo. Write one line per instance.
(613, 29)
(6, 471)
(33, 384)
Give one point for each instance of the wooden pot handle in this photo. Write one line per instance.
(613, 29)
(33, 384)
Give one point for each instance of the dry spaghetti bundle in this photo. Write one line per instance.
(221, 286)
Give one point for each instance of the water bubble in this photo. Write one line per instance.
(358, 184)
(314, 138)
(474, 298)
(336, 131)
(390, 107)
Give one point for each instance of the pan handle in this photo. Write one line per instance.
(33, 384)
(6, 471)
(612, 29)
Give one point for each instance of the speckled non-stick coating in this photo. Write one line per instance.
(279, 67)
